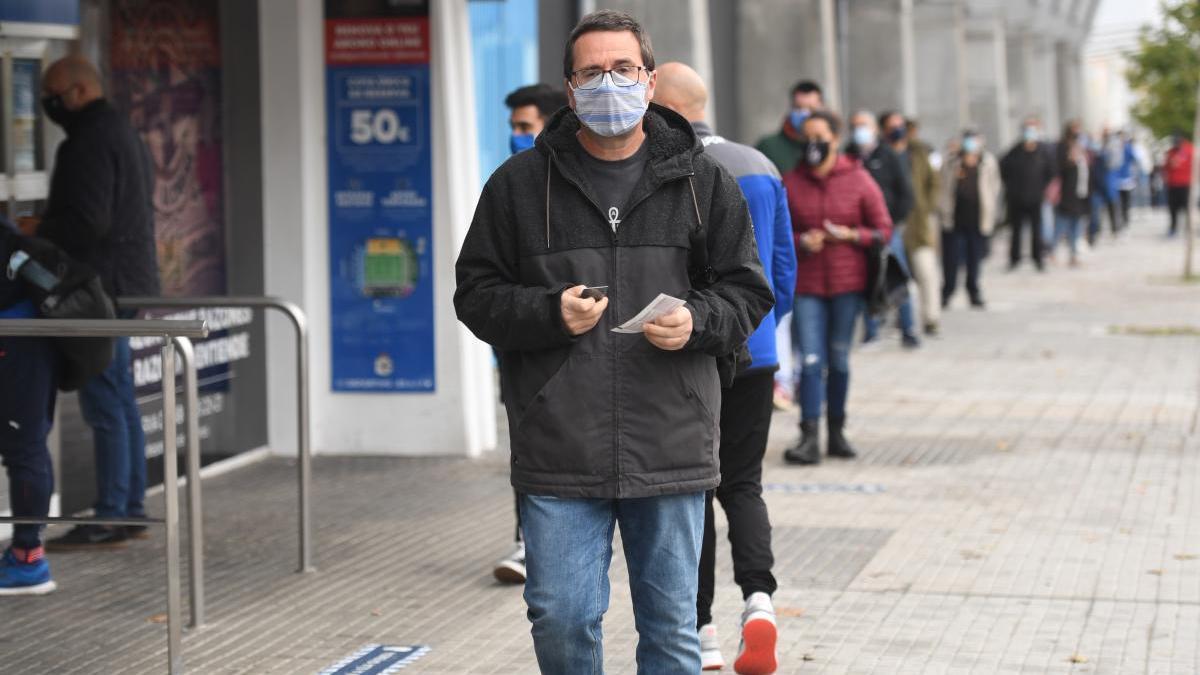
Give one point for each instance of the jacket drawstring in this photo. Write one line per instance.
(549, 161)
(695, 203)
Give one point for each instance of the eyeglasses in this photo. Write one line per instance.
(622, 76)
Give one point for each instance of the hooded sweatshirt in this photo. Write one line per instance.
(604, 414)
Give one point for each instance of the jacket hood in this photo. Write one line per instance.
(673, 143)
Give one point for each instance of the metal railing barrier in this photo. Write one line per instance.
(170, 331)
(300, 324)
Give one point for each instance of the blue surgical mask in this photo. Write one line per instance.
(797, 116)
(1029, 134)
(609, 110)
(519, 142)
(864, 136)
(970, 145)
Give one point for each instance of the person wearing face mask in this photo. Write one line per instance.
(99, 211)
(1178, 178)
(838, 212)
(616, 204)
(1026, 171)
(921, 235)
(783, 146)
(529, 109)
(970, 189)
(1075, 197)
(894, 180)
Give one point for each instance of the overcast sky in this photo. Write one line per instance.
(1117, 14)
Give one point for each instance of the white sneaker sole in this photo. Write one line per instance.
(711, 660)
(509, 572)
(39, 589)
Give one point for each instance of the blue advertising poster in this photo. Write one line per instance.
(380, 195)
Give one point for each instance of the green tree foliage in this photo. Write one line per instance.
(1166, 70)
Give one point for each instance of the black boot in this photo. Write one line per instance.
(838, 445)
(808, 449)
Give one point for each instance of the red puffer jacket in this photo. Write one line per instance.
(847, 196)
(1179, 165)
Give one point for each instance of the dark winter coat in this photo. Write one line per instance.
(847, 196)
(893, 178)
(1027, 174)
(1070, 204)
(603, 414)
(100, 208)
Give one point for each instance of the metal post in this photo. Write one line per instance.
(303, 439)
(171, 489)
(191, 400)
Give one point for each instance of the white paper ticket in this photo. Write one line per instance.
(660, 306)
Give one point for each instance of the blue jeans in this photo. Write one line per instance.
(1067, 227)
(26, 413)
(568, 548)
(110, 409)
(826, 329)
(905, 310)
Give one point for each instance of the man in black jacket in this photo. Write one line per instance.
(100, 212)
(611, 428)
(1026, 171)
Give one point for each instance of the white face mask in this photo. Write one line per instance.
(609, 110)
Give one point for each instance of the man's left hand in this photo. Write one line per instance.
(672, 331)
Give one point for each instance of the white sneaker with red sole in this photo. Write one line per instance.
(757, 654)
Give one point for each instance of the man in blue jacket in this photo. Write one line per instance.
(746, 407)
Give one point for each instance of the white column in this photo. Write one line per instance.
(908, 58)
(459, 418)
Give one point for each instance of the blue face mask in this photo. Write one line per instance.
(1029, 134)
(864, 137)
(797, 116)
(519, 142)
(609, 110)
(970, 145)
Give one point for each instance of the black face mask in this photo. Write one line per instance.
(814, 153)
(56, 110)
(896, 135)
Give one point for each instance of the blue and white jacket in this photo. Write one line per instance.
(763, 189)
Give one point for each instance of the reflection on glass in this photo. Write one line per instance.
(26, 73)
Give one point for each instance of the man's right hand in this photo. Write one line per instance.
(581, 314)
(813, 241)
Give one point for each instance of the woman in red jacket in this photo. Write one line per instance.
(838, 213)
(1179, 177)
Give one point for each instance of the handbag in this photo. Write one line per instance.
(63, 288)
(887, 281)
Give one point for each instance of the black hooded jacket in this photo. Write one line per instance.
(603, 414)
(100, 209)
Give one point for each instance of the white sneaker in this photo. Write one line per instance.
(511, 568)
(710, 648)
(757, 654)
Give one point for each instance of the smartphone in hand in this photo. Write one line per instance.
(596, 293)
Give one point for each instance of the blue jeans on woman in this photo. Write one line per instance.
(825, 328)
(1068, 227)
(568, 548)
(110, 408)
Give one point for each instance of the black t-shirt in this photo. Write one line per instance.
(614, 181)
(966, 196)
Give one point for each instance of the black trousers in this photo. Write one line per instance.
(745, 421)
(1177, 202)
(1018, 216)
(963, 245)
(1126, 198)
(27, 397)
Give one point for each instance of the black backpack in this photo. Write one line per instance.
(62, 288)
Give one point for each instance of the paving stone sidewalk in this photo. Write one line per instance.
(1026, 503)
